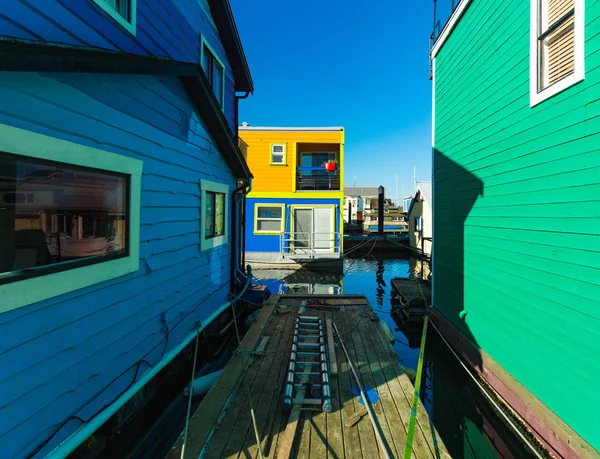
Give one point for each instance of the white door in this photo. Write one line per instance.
(313, 226)
(323, 225)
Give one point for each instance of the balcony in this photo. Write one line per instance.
(315, 178)
(442, 11)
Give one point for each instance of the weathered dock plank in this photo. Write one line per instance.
(312, 433)
(206, 416)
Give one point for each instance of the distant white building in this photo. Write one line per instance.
(420, 219)
(357, 201)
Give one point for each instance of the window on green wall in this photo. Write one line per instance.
(557, 46)
(214, 71)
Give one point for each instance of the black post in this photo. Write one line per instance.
(349, 212)
(380, 209)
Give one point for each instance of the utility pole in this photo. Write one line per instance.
(415, 179)
(380, 210)
(397, 202)
(354, 180)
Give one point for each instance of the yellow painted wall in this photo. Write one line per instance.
(282, 178)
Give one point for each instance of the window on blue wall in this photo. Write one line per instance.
(269, 219)
(55, 216)
(214, 224)
(213, 69)
(123, 11)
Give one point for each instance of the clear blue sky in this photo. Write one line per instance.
(343, 63)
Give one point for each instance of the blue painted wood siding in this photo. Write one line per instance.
(165, 28)
(56, 354)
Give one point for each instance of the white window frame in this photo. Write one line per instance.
(129, 26)
(203, 43)
(396, 219)
(212, 242)
(257, 218)
(579, 73)
(21, 293)
(283, 154)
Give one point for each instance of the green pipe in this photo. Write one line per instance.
(415, 403)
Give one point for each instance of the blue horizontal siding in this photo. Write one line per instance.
(165, 28)
(57, 354)
(271, 243)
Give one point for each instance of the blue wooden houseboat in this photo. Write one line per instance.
(121, 183)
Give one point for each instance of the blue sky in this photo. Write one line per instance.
(342, 63)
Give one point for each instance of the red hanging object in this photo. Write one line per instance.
(329, 167)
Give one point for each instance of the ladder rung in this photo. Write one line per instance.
(308, 401)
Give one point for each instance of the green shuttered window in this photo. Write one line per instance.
(557, 46)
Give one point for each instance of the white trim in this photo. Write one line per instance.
(290, 129)
(432, 183)
(283, 154)
(129, 26)
(456, 16)
(207, 185)
(579, 73)
(204, 42)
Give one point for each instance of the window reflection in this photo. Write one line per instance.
(52, 213)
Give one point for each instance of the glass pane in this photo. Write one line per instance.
(277, 158)
(217, 82)
(219, 214)
(269, 212)
(302, 227)
(269, 225)
(206, 63)
(123, 8)
(209, 215)
(51, 213)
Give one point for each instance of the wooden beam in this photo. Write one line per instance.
(331, 348)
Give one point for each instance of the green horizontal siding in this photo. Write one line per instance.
(517, 209)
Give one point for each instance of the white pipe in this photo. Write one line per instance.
(69, 445)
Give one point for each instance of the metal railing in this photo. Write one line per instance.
(441, 16)
(316, 178)
(310, 245)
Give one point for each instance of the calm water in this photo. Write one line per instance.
(468, 425)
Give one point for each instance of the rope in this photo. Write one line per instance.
(239, 339)
(492, 401)
(367, 254)
(415, 403)
(189, 406)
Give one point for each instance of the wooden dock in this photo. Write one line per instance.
(222, 427)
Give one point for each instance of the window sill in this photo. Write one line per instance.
(277, 164)
(28, 291)
(562, 85)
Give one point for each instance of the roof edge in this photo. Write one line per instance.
(449, 27)
(291, 128)
(230, 37)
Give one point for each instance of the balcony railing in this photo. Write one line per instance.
(316, 179)
(442, 11)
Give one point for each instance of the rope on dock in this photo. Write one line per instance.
(366, 400)
(415, 403)
(189, 407)
(510, 422)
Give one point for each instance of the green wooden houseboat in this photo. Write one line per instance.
(516, 257)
